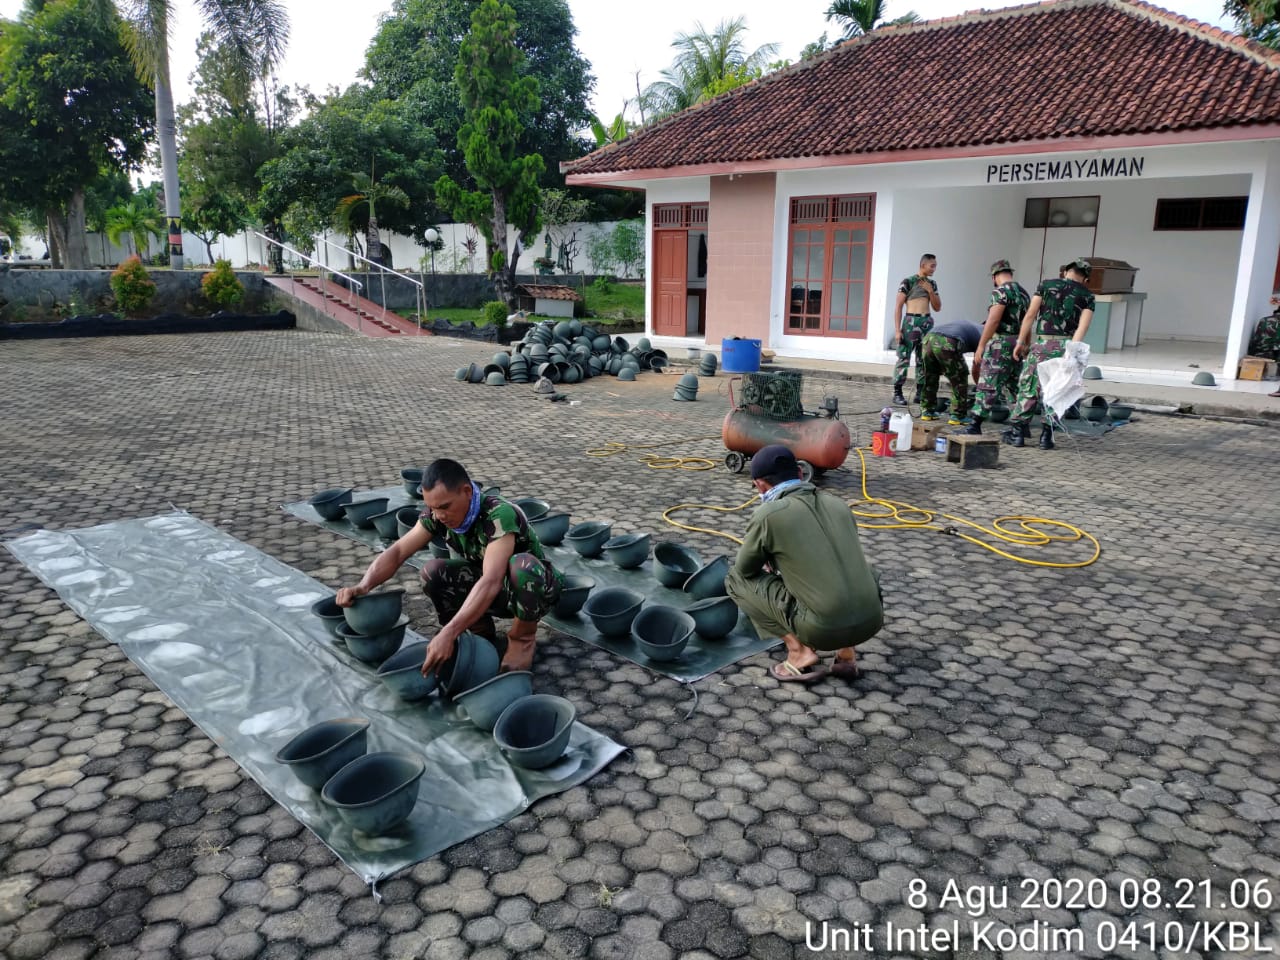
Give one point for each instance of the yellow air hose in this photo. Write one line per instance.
(898, 516)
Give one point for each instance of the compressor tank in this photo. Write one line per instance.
(823, 442)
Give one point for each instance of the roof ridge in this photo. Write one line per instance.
(1224, 38)
(1227, 39)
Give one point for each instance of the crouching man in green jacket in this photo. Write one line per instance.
(800, 574)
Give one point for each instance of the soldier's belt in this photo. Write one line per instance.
(919, 316)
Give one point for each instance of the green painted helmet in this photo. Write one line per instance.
(1081, 264)
(1001, 266)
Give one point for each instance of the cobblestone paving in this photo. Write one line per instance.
(1116, 723)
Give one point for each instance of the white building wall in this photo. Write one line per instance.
(948, 208)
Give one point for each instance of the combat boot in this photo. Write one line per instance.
(898, 398)
(1018, 434)
(1046, 437)
(975, 428)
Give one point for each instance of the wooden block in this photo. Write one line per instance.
(923, 433)
(972, 452)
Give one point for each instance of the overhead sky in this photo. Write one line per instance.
(329, 37)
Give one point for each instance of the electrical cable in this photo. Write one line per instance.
(905, 516)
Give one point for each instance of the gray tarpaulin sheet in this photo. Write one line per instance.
(700, 658)
(226, 632)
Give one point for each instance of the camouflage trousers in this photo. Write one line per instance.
(998, 376)
(1029, 382)
(944, 357)
(1265, 341)
(914, 327)
(529, 590)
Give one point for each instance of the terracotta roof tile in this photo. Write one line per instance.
(1054, 70)
(548, 291)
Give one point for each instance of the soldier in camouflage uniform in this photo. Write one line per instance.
(1265, 341)
(995, 369)
(1063, 309)
(917, 293)
(944, 349)
(498, 567)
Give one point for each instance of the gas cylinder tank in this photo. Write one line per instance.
(821, 441)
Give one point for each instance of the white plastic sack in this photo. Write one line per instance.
(1062, 379)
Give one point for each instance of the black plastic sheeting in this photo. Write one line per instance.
(700, 658)
(227, 633)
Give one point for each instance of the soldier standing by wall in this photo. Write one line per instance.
(995, 369)
(917, 293)
(1063, 308)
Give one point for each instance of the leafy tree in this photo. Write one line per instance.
(369, 193)
(706, 61)
(558, 209)
(71, 107)
(496, 94)
(346, 132)
(233, 125)
(615, 132)
(255, 31)
(139, 219)
(859, 17)
(413, 59)
(1257, 19)
(816, 47)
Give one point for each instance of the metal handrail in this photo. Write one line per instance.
(356, 285)
(422, 289)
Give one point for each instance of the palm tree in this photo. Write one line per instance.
(368, 192)
(859, 17)
(255, 31)
(706, 63)
(138, 219)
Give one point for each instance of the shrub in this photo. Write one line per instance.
(221, 286)
(495, 312)
(132, 285)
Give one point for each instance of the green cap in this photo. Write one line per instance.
(1080, 264)
(1001, 266)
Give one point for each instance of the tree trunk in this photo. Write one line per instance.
(166, 137)
(57, 225)
(76, 252)
(503, 286)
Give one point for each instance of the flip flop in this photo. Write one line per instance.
(786, 672)
(845, 670)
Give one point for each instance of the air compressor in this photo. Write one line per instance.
(768, 409)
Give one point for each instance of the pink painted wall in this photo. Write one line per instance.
(739, 257)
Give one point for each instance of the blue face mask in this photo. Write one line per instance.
(472, 512)
(775, 492)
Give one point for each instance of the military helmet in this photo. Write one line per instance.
(1001, 266)
(1080, 264)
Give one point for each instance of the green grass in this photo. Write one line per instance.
(621, 302)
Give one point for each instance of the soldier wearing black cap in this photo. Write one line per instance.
(1063, 309)
(800, 574)
(995, 369)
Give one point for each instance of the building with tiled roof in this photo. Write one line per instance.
(789, 209)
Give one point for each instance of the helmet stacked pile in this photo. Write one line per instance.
(566, 352)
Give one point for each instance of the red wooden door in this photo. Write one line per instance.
(670, 282)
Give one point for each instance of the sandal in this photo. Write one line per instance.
(846, 670)
(787, 672)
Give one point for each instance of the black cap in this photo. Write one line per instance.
(775, 463)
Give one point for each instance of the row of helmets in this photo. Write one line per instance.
(566, 352)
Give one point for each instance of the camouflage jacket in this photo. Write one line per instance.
(916, 287)
(497, 518)
(1015, 301)
(1061, 303)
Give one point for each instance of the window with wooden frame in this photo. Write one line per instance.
(680, 216)
(829, 266)
(1201, 213)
